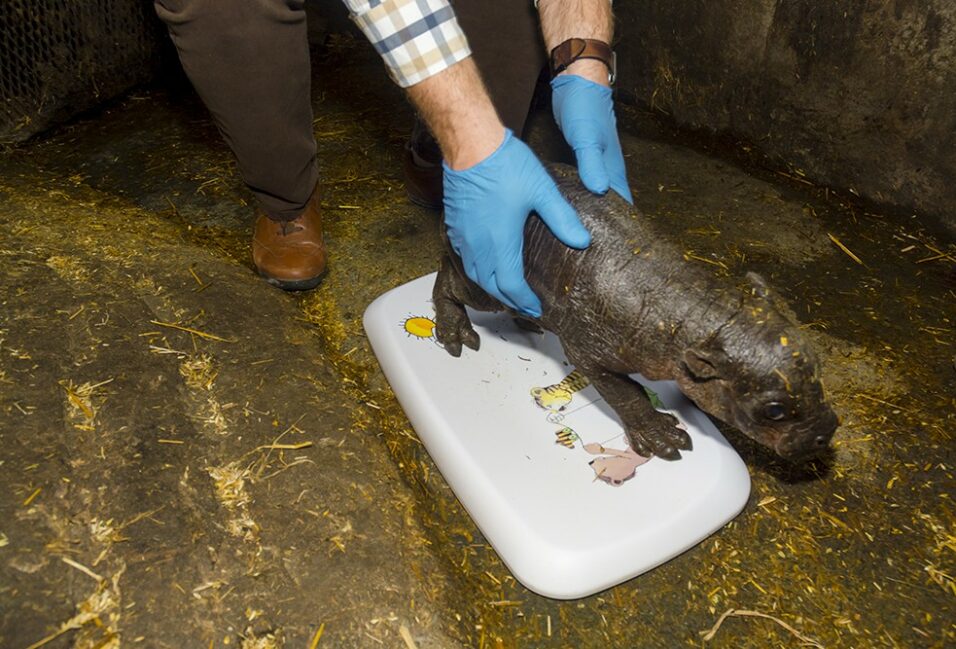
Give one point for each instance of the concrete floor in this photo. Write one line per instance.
(148, 381)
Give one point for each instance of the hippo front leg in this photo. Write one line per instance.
(650, 431)
(451, 293)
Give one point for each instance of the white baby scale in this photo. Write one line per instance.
(550, 482)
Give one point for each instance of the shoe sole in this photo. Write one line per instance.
(293, 284)
(424, 202)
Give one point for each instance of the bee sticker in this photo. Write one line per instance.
(566, 437)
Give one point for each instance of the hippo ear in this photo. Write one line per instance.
(704, 364)
(759, 285)
(762, 289)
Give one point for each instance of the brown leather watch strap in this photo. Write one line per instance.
(582, 48)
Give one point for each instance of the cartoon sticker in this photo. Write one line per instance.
(556, 398)
(419, 326)
(612, 466)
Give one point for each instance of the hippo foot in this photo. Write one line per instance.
(660, 434)
(453, 329)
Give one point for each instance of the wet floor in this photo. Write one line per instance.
(192, 458)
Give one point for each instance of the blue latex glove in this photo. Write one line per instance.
(584, 111)
(486, 207)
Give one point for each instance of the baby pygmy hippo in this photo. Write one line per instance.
(631, 303)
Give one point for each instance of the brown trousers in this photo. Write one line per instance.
(249, 62)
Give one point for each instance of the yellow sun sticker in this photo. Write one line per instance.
(419, 327)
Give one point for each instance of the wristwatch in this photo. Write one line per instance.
(583, 48)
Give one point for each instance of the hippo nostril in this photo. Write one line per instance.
(820, 441)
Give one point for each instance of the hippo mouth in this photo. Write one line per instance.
(801, 450)
(808, 442)
(796, 444)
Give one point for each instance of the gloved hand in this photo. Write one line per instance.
(584, 111)
(486, 207)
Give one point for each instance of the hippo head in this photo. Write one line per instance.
(757, 373)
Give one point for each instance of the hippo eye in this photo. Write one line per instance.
(775, 411)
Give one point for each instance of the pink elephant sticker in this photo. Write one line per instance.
(614, 467)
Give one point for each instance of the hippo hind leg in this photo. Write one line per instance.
(528, 325)
(452, 324)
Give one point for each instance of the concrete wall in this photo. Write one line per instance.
(858, 94)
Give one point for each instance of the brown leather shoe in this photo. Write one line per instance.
(291, 254)
(423, 181)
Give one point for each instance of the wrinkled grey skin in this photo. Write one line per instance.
(631, 303)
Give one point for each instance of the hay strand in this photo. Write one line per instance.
(195, 332)
(407, 637)
(709, 635)
(845, 249)
(32, 497)
(285, 447)
(81, 568)
(317, 636)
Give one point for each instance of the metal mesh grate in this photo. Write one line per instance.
(61, 57)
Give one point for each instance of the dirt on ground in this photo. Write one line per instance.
(191, 458)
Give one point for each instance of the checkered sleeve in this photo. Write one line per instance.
(416, 38)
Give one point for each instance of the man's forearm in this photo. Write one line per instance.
(459, 112)
(456, 106)
(564, 19)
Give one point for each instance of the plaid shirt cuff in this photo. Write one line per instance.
(416, 38)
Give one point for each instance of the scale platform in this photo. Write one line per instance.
(539, 460)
